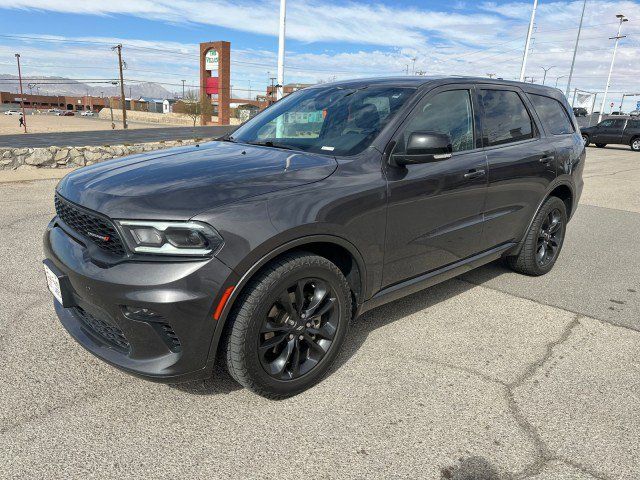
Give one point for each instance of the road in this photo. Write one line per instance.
(108, 137)
(490, 376)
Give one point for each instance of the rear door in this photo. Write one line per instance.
(610, 130)
(521, 163)
(434, 215)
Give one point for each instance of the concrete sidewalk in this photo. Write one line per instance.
(31, 174)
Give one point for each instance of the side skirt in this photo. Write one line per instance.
(415, 284)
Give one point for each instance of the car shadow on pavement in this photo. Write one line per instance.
(222, 383)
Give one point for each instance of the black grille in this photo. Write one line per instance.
(110, 333)
(91, 226)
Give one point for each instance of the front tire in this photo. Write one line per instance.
(288, 326)
(601, 145)
(635, 144)
(544, 240)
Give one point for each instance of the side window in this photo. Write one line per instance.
(633, 124)
(618, 123)
(506, 118)
(606, 123)
(447, 112)
(553, 114)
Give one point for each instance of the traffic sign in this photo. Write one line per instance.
(638, 105)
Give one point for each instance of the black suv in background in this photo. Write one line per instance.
(623, 131)
(258, 249)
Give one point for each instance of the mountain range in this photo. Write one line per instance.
(68, 86)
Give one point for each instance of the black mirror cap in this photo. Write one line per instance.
(423, 147)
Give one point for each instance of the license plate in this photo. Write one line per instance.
(53, 283)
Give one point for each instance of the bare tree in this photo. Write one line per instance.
(193, 106)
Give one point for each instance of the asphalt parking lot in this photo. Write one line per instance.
(493, 375)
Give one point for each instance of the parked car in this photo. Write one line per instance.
(634, 113)
(87, 113)
(65, 113)
(13, 112)
(622, 131)
(580, 111)
(258, 249)
(53, 110)
(617, 113)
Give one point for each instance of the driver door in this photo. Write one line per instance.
(435, 209)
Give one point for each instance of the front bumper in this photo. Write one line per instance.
(171, 346)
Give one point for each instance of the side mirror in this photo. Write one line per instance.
(424, 147)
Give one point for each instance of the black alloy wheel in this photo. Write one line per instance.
(287, 325)
(585, 139)
(541, 245)
(550, 236)
(299, 329)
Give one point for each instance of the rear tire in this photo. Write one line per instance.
(585, 139)
(635, 144)
(601, 145)
(543, 242)
(288, 325)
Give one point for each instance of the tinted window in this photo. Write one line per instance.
(447, 112)
(505, 117)
(332, 120)
(633, 124)
(618, 123)
(552, 114)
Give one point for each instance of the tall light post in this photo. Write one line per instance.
(575, 50)
(528, 42)
(558, 78)
(24, 117)
(617, 38)
(283, 25)
(544, 78)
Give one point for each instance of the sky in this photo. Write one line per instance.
(326, 40)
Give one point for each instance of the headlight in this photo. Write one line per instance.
(170, 238)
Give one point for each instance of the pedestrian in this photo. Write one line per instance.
(21, 121)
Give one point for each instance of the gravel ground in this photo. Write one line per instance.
(489, 376)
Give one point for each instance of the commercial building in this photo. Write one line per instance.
(61, 102)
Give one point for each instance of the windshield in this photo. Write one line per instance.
(331, 120)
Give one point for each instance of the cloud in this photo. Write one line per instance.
(310, 21)
(442, 43)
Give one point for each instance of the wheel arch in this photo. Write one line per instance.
(564, 191)
(336, 249)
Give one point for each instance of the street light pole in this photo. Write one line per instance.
(24, 117)
(575, 50)
(283, 24)
(183, 88)
(617, 38)
(544, 78)
(558, 78)
(528, 42)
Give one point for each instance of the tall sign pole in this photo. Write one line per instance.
(528, 42)
(283, 21)
(575, 50)
(24, 117)
(617, 38)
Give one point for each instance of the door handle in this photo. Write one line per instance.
(475, 173)
(547, 159)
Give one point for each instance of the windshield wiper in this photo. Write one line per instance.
(269, 143)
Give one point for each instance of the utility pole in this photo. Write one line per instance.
(575, 50)
(24, 117)
(528, 42)
(413, 66)
(273, 79)
(249, 89)
(183, 88)
(544, 78)
(122, 101)
(617, 38)
(283, 22)
(407, 68)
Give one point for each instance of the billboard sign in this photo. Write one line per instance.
(211, 60)
(637, 105)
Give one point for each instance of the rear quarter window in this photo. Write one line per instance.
(553, 115)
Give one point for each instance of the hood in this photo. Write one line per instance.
(176, 184)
